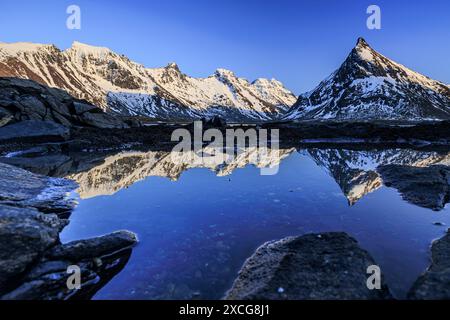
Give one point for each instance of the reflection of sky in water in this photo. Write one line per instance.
(196, 233)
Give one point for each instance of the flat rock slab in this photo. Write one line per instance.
(34, 129)
(434, 284)
(428, 187)
(325, 266)
(22, 188)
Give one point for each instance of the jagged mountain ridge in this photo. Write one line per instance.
(115, 83)
(370, 86)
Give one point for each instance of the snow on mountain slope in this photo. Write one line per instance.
(114, 82)
(369, 86)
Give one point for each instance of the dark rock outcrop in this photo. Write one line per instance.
(434, 284)
(24, 100)
(34, 129)
(25, 234)
(33, 262)
(47, 280)
(427, 187)
(312, 267)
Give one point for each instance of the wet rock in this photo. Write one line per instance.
(92, 248)
(25, 234)
(310, 267)
(33, 262)
(48, 281)
(33, 129)
(21, 188)
(427, 187)
(434, 284)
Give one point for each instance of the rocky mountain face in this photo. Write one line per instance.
(115, 83)
(369, 86)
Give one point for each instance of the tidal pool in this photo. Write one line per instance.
(197, 226)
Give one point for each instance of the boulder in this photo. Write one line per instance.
(34, 129)
(81, 108)
(25, 234)
(33, 262)
(434, 284)
(92, 248)
(102, 120)
(329, 266)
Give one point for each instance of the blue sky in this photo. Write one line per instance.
(297, 42)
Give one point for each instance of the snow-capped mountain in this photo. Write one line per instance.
(115, 83)
(369, 86)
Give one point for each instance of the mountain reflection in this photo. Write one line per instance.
(355, 171)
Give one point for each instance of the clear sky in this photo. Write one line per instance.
(299, 42)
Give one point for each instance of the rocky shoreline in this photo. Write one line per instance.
(33, 261)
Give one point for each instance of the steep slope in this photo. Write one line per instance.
(115, 83)
(369, 86)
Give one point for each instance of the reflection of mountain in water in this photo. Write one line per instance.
(355, 171)
(123, 169)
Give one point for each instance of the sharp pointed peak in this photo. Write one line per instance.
(363, 50)
(361, 42)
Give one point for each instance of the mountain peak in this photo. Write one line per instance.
(173, 66)
(85, 49)
(224, 73)
(369, 85)
(362, 42)
(363, 50)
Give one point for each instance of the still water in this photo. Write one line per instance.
(197, 226)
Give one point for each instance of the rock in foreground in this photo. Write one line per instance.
(434, 284)
(99, 259)
(33, 262)
(328, 266)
